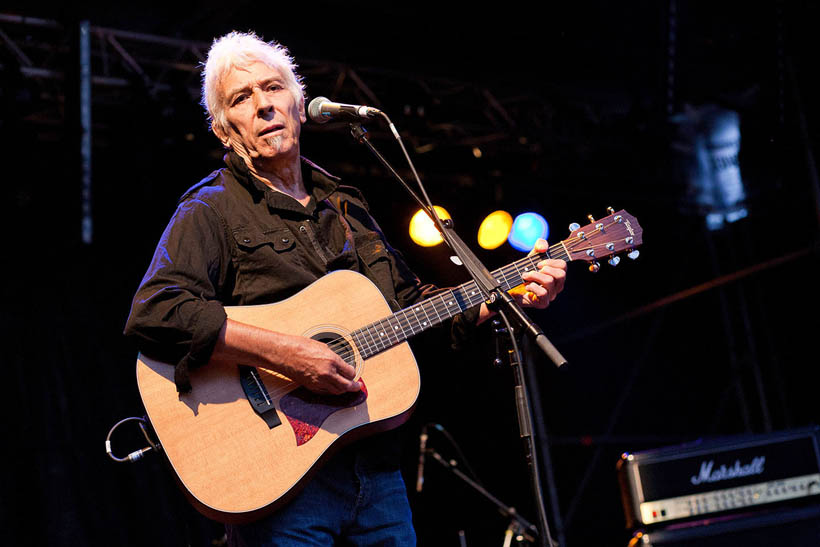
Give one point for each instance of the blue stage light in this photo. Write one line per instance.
(526, 229)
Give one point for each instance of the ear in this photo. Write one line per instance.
(220, 134)
(302, 116)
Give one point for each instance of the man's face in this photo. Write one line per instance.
(263, 120)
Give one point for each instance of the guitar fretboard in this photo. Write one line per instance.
(404, 324)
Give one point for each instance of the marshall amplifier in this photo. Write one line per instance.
(791, 527)
(709, 478)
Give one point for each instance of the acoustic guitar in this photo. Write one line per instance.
(245, 438)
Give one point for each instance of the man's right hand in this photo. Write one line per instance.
(315, 366)
(304, 360)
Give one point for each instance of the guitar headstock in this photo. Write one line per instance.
(604, 239)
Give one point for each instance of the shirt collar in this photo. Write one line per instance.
(320, 184)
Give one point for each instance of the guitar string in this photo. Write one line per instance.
(503, 272)
(373, 346)
(559, 250)
(373, 349)
(342, 342)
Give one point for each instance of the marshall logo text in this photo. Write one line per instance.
(722, 473)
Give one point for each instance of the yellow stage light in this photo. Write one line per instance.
(423, 230)
(494, 229)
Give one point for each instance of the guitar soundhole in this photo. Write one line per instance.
(338, 344)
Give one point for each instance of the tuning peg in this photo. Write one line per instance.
(591, 218)
(633, 254)
(610, 210)
(614, 261)
(574, 226)
(594, 266)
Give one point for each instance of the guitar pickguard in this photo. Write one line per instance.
(306, 410)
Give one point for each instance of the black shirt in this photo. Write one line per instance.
(234, 241)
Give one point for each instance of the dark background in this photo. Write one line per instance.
(708, 333)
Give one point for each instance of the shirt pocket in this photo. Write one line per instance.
(373, 253)
(371, 249)
(251, 240)
(268, 265)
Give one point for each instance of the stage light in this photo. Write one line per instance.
(423, 230)
(707, 152)
(526, 229)
(494, 229)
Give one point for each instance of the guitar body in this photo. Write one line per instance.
(232, 464)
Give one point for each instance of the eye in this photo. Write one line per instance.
(274, 87)
(239, 99)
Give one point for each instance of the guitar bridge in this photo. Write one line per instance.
(258, 395)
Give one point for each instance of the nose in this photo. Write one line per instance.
(264, 104)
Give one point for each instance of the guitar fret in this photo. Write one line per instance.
(383, 334)
(409, 324)
(429, 308)
(401, 330)
(415, 313)
(441, 301)
(566, 251)
(503, 280)
(451, 304)
(376, 336)
(429, 321)
(472, 293)
(518, 271)
(367, 331)
(360, 342)
(391, 330)
(515, 279)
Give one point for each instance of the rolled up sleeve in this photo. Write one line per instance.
(177, 312)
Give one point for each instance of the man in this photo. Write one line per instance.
(258, 231)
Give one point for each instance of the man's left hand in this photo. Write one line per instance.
(542, 286)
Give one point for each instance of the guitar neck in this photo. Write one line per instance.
(619, 231)
(404, 324)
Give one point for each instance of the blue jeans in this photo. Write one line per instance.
(353, 500)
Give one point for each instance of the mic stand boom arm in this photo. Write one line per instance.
(494, 296)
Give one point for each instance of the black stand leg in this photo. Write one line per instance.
(523, 408)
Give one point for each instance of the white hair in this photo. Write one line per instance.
(241, 49)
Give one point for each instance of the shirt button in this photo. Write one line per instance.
(285, 240)
(247, 240)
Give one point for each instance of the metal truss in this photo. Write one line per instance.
(435, 113)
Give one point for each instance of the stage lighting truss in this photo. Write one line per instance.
(435, 114)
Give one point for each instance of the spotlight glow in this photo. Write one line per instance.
(423, 230)
(526, 229)
(494, 229)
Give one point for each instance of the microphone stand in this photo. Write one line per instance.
(497, 300)
(518, 526)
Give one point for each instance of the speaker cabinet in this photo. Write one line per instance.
(791, 527)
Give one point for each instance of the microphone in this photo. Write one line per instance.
(422, 453)
(322, 110)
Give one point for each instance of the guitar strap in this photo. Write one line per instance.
(389, 292)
